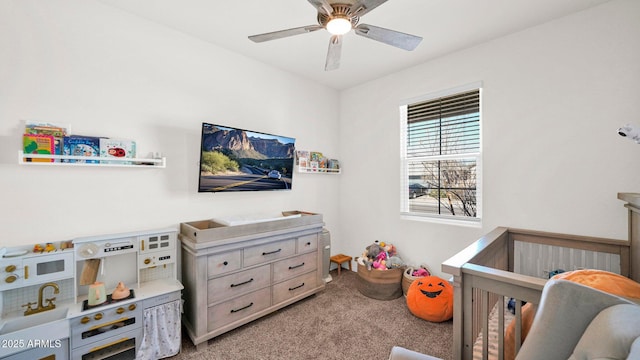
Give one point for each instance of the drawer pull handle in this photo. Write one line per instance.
(98, 348)
(114, 322)
(242, 308)
(242, 283)
(271, 252)
(308, 243)
(297, 287)
(225, 263)
(296, 266)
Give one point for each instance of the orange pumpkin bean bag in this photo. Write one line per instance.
(431, 298)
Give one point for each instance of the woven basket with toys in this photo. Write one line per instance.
(380, 272)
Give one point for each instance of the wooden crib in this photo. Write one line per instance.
(515, 263)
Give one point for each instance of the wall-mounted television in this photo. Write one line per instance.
(233, 159)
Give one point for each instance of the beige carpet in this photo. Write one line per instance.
(338, 323)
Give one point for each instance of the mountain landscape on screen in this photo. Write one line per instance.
(234, 159)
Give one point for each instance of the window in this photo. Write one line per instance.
(441, 150)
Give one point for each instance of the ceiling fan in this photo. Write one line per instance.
(340, 18)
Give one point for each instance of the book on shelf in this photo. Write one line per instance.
(334, 165)
(313, 165)
(38, 144)
(117, 149)
(315, 156)
(45, 129)
(303, 163)
(302, 155)
(322, 164)
(77, 145)
(58, 133)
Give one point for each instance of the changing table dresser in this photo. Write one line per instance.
(235, 274)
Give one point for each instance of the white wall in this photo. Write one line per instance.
(108, 73)
(553, 98)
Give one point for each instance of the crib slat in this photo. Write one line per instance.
(501, 328)
(485, 324)
(518, 320)
(468, 307)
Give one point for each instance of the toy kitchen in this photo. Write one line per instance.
(98, 297)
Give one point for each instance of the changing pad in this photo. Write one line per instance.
(253, 218)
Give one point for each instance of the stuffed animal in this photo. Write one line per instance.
(390, 249)
(365, 261)
(431, 298)
(381, 261)
(373, 250)
(381, 256)
(420, 272)
(394, 262)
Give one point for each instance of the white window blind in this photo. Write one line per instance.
(441, 156)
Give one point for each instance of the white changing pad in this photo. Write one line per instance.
(253, 218)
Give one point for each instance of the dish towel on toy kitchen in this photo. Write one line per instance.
(162, 332)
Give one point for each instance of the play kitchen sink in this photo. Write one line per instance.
(46, 330)
(46, 319)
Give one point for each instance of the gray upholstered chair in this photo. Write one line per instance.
(574, 322)
(400, 353)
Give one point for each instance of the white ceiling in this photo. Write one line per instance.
(445, 25)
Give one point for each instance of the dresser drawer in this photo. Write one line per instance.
(296, 286)
(307, 243)
(222, 263)
(288, 268)
(238, 308)
(228, 286)
(268, 252)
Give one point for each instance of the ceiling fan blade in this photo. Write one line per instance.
(389, 37)
(323, 6)
(362, 7)
(333, 55)
(284, 33)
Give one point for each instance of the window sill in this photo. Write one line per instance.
(466, 222)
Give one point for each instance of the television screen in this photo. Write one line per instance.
(233, 159)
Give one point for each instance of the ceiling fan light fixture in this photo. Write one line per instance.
(339, 25)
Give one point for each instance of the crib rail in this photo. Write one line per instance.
(488, 287)
(483, 276)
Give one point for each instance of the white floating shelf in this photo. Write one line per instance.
(310, 170)
(102, 161)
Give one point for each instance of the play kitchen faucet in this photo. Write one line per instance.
(50, 305)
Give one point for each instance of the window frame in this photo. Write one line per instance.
(405, 212)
